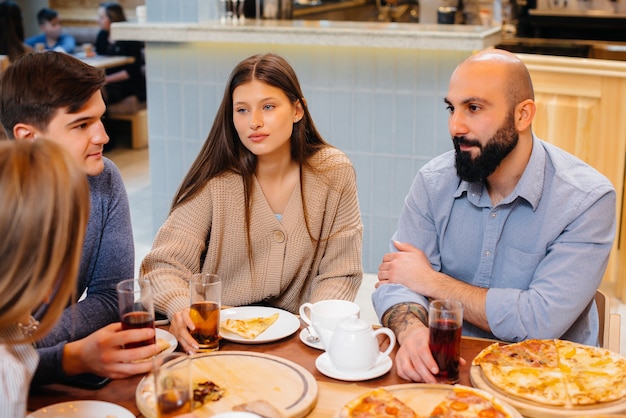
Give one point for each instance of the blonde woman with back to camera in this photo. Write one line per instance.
(43, 217)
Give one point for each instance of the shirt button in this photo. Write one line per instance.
(279, 236)
(493, 214)
(487, 253)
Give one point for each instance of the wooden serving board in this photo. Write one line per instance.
(245, 376)
(537, 410)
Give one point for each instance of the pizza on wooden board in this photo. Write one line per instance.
(555, 372)
(249, 328)
(377, 403)
(458, 403)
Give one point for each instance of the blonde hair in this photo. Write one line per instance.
(43, 218)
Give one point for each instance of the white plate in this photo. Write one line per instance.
(325, 366)
(164, 335)
(82, 409)
(285, 325)
(305, 333)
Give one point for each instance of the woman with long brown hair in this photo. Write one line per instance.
(268, 205)
(43, 218)
(12, 31)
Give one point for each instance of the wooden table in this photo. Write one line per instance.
(105, 61)
(332, 393)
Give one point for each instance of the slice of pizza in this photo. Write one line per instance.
(529, 353)
(249, 328)
(543, 385)
(464, 403)
(593, 374)
(377, 403)
(162, 344)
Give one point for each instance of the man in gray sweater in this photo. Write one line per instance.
(56, 96)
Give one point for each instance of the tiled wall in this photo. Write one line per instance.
(181, 10)
(383, 107)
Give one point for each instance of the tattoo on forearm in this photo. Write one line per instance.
(399, 317)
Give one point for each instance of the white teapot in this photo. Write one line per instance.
(354, 347)
(325, 315)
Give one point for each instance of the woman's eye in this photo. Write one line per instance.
(268, 107)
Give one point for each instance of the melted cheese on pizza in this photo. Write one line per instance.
(561, 372)
(379, 403)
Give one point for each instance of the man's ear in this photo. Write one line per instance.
(24, 131)
(525, 114)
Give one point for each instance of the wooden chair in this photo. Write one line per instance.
(609, 333)
(132, 110)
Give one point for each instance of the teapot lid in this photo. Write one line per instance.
(354, 324)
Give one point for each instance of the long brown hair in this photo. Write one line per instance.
(223, 151)
(43, 217)
(11, 30)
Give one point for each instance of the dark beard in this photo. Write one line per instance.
(491, 155)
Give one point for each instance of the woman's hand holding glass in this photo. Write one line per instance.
(180, 327)
(101, 353)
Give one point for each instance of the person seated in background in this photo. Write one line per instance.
(467, 11)
(127, 80)
(12, 31)
(268, 205)
(516, 229)
(44, 215)
(52, 36)
(54, 95)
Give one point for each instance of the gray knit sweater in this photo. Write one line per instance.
(107, 258)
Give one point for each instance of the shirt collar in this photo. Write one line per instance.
(529, 187)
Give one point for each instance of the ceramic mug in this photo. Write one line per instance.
(325, 315)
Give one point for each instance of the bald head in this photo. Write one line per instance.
(514, 73)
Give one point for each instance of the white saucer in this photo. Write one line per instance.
(305, 333)
(326, 367)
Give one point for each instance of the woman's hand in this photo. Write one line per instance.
(103, 353)
(180, 325)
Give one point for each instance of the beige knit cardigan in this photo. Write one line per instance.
(288, 267)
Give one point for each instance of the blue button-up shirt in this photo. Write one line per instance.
(541, 251)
